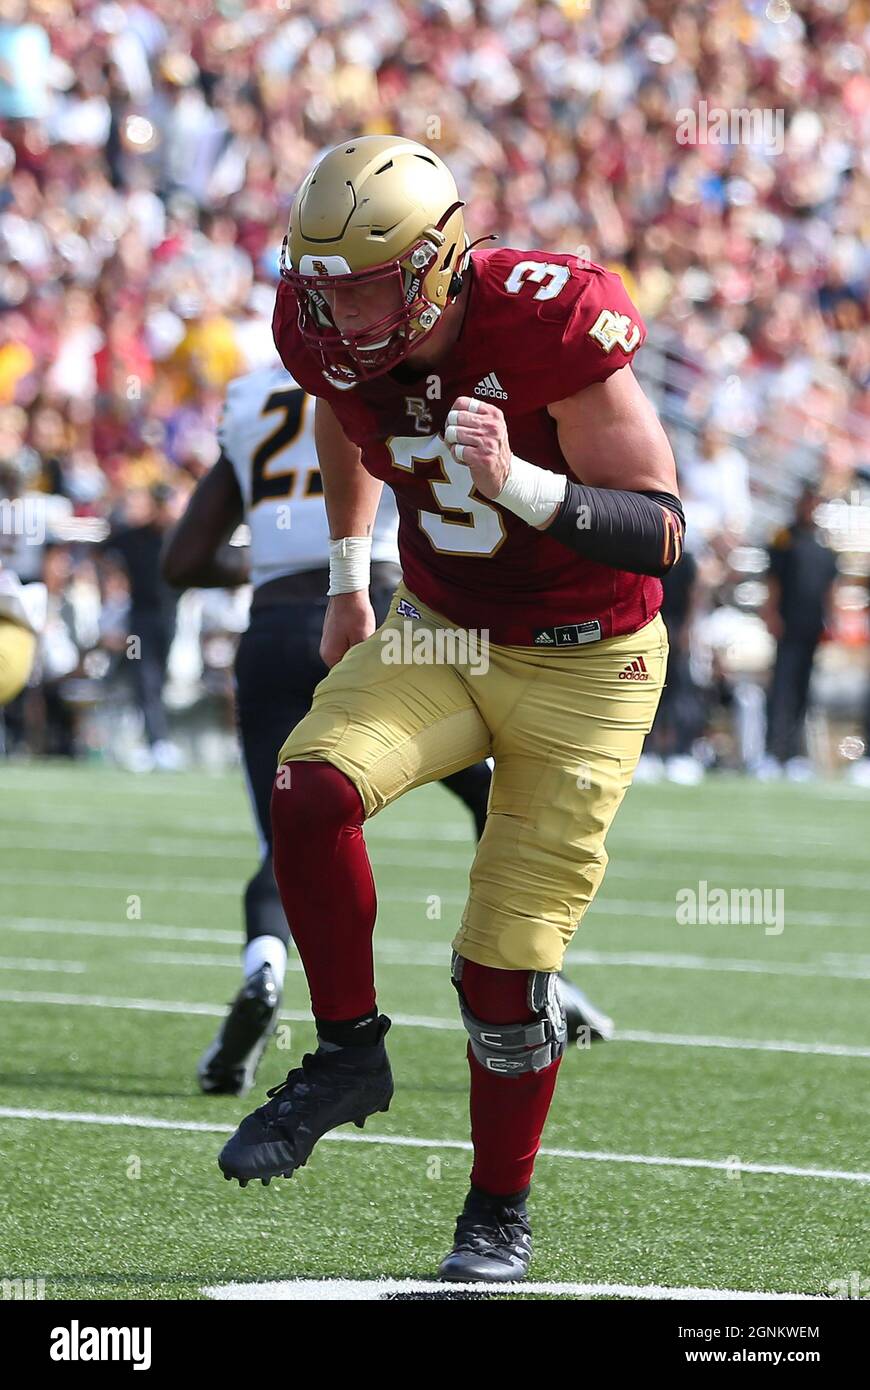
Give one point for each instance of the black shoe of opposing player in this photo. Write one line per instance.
(580, 1013)
(228, 1066)
(329, 1089)
(493, 1241)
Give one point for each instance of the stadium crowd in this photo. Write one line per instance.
(149, 155)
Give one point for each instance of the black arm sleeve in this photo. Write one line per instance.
(641, 532)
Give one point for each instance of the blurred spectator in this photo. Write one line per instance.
(25, 53)
(59, 655)
(680, 718)
(151, 618)
(800, 581)
(714, 486)
(26, 513)
(150, 150)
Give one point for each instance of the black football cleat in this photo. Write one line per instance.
(581, 1013)
(493, 1242)
(229, 1064)
(328, 1090)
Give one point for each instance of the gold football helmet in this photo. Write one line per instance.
(378, 209)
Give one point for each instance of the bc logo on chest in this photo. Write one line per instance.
(418, 409)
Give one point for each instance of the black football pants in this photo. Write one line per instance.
(789, 696)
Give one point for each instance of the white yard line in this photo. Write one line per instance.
(131, 820)
(859, 970)
(115, 782)
(811, 1049)
(101, 1001)
(187, 959)
(137, 846)
(603, 907)
(434, 953)
(201, 831)
(662, 910)
(50, 967)
(374, 1290)
(785, 1170)
(134, 881)
(739, 791)
(394, 951)
(419, 859)
(399, 955)
(177, 1006)
(759, 844)
(716, 875)
(133, 932)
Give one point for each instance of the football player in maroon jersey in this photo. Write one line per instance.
(493, 391)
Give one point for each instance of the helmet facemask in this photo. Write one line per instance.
(349, 356)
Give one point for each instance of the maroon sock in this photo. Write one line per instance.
(508, 1113)
(325, 880)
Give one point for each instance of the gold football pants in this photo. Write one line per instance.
(565, 726)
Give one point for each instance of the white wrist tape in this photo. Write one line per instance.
(350, 565)
(532, 493)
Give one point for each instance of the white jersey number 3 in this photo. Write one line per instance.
(550, 278)
(471, 525)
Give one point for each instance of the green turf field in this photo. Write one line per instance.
(721, 1142)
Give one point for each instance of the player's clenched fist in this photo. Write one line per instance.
(349, 619)
(477, 434)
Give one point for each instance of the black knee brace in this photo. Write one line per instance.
(513, 1048)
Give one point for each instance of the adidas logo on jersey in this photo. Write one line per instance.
(544, 638)
(491, 386)
(635, 670)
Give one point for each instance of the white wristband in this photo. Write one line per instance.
(532, 493)
(350, 565)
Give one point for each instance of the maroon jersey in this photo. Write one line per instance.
(538, 328)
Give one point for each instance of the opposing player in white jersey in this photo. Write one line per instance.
(22, 618)
(268, 475)
(267, 435)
